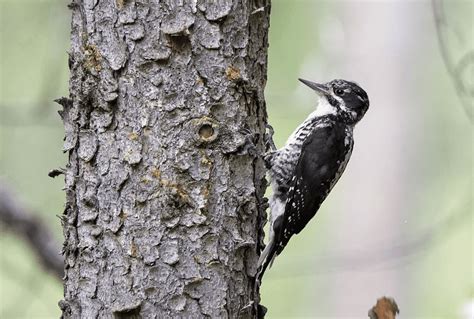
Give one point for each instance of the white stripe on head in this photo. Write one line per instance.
(342, 106)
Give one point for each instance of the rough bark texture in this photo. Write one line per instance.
(164, 122)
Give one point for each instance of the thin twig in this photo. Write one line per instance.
(26, 224)
(454, 69)
(352, 260)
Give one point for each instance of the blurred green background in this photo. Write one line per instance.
(399, 222)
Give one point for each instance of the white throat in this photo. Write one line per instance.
(324, 108)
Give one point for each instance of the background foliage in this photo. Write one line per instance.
(398, 223)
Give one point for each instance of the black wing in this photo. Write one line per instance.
(322, 154)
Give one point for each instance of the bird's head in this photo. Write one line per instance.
(342, 98)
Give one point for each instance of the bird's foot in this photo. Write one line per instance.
(269, 144)
(267, 158)
(249, 146)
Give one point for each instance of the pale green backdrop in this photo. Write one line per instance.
(399, 222)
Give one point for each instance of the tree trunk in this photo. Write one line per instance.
(164, 127)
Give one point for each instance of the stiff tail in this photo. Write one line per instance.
(273, 247)
(266, 258)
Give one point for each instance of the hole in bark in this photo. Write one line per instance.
(206, 131)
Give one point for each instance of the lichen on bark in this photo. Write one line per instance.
(164, 127)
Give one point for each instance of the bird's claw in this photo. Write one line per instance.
(269, 144)
(249, 146)
(251, 139)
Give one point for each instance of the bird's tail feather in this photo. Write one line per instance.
(266, 258)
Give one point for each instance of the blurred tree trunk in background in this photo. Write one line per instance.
(165, 117)
(392, 101)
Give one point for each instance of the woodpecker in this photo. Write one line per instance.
(304, 171)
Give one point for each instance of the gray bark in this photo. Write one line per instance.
(164, 125)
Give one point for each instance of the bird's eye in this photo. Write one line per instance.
(339, 92)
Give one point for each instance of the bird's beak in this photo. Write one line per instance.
(321, 89)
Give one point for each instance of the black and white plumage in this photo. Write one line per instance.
(303, 172)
